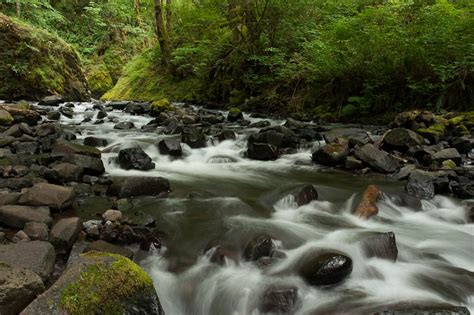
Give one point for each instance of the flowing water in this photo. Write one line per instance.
(220, 196)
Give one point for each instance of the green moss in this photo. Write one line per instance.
(449, 164)
(161, 106)
(99, 80)
(6, 119)
(456, 120)
(234, 111)
(23, 105)
(144, 79)
(35, 64)
(103, 288)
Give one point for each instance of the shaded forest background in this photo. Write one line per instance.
(338, 59)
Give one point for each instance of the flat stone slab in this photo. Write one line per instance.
(37, 256)
(18, 216)
(18, 287)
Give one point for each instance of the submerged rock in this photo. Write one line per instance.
(279, 300)
(139, 186)
(305, 195)
(368, 205)
(259, 247)
(325, 269)
(381, 245)
(100, 283)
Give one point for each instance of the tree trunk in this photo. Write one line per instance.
(250, 21)
(169, 17)
(136, 5)
(18, 8)
(234, 21)
(161, 33)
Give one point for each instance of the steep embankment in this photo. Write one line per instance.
(34, 64)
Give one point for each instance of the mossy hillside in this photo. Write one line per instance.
(99, 79)
(104, 288)
(144, 80)
(35, 64)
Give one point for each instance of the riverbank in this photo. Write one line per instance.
(202, 197)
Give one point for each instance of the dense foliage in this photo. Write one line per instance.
(314, 57)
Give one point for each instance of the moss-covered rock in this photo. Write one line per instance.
(433, 133)
(99, 283)
(6, 119)
(35, 64)
(158, 107)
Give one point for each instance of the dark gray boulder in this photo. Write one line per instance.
(326, 269)
(135, 158)
(377, 159)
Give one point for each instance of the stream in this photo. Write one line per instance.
(219, 196)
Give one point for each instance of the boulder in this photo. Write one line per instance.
(326, 268)
(305, 195)
(90, 165)
(332, 154)
(52, 100)
(420, 184)
(125, 125)
(381, 245)
(447, 154)
(401, 138)
(353, 164)
(262, 151)
(18, 288)
(226, 135)
(67, 172)
(18, 216)
(135, 158)
(37, 231)
(67, 112)
(6, 119)
(278, 136)
(368, 205)
(464, 190)
(194, 138)
(95, 142)
(100, 283)
(258, 247)
(63, 148)
(9, 198)
(54, 115)
(22, 115)
(354, 135)
(279, 300)
(234, 115)
(112, 215)
(37, 256)
(44, 194)
(463, 144)
(139, 186)
(103, 246)
(377, 159)
(20, 236)
(64, 232)
(170, 146)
